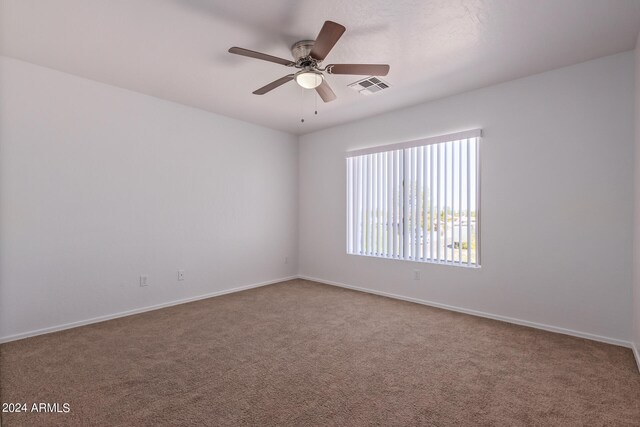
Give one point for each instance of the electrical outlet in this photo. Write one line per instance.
(180, 274)
(144, 280)
(416, 274)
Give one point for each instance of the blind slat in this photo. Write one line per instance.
(389, 211)
(358, 197)
(446, 199)
(405, 217)
(394, 195)
(432, 193)
(425, 203)
(418, 203)
(379, 209)
(350, 222)
(401, 205)
(477, 163)
(460, 203)
(438, 195)
(369, 205)
(374, 207)
(468, 203)
(361, 203)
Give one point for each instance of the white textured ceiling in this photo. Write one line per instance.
(177, 49)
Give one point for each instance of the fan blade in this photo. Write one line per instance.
(325, 92)
(259, 55)
(360, 69)
(327, 38)
(271, 86)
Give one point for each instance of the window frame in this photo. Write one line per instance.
(408, 213)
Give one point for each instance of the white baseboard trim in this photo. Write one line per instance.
(535, 325)
(636, 354)
(98, 319)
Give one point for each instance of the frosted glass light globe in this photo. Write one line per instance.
(309, 79)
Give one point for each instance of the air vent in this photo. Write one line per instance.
(369, 85)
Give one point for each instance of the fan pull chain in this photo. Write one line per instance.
(316, 99)
(302, 106)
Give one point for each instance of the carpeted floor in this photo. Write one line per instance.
(303, 353)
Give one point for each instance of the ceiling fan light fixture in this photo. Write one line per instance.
(309, 79)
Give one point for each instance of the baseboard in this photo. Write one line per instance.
(521, 322)
(137, 311)
(636, 354)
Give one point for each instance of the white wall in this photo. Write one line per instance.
(557, 174)
(99, 185)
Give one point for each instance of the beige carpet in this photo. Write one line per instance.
(302, 353)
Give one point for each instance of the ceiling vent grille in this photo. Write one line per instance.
(369, 85)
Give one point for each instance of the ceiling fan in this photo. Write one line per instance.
(308, 56)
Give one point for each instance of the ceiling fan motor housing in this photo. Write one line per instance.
(302, 49)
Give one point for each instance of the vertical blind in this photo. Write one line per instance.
(417, 200)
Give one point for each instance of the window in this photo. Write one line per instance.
(417, 200)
